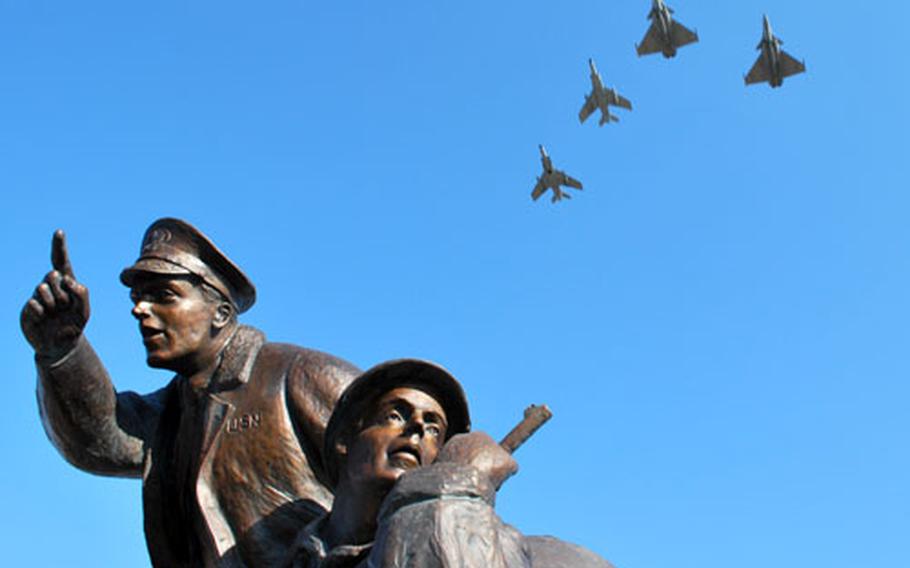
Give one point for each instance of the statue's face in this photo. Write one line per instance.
(404, 429)
(176, 321)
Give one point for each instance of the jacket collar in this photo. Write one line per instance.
(237, 359)
(234, 366)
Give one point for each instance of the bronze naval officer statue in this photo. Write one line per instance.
(413, 488)
(229, 451)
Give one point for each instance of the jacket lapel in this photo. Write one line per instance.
(225, 386)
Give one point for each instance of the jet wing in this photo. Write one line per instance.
(681, 35)
(623, 102)
(789, 65)
(761, 71)
(652, 42)
(589, 107)
(538, 189)
(570, 181)
(617, 100)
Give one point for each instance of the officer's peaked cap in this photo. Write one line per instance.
(172, 247)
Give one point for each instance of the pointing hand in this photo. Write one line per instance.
(60, 257)
(54, 317)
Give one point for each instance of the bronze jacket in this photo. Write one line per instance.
(441, 516)
(229, 474)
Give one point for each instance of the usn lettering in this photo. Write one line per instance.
(243, 422)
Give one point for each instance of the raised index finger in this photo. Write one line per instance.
(60, 258)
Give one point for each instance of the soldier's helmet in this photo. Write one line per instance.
(372, 384)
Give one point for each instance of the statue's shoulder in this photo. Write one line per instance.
(551, 552)
(313, 380)
(304, 369)
(311, 361)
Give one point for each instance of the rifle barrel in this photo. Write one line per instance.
(535, 416)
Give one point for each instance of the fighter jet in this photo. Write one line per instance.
(552, 179)
(601, 98)
(774, 63)
(665, 34)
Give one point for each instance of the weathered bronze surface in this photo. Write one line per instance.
(415, 489)
(236, 450)
(229, 450)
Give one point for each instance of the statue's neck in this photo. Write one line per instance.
(199, 367)
(352, 520)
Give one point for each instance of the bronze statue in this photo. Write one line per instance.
(229, 450)
(413, 488)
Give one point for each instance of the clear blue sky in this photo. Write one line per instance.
(719, 320)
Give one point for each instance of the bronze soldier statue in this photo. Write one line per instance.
(229, 451)
(414, 489)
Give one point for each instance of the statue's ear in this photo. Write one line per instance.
(223, 314)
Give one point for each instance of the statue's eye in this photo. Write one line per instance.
(433, 430)
(394, 416)
(164, 295)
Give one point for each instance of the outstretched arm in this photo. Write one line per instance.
(78, 404)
